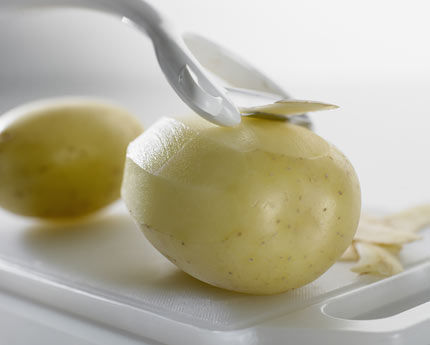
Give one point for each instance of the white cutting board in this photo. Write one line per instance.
(106, 271)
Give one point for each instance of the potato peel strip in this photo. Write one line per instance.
(378, 241)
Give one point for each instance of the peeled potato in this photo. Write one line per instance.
(62, 159)
(260, 208)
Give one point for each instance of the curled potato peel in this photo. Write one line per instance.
(379, 240)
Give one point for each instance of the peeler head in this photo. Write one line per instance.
(207, 100)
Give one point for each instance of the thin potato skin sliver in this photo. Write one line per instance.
(288, 107)
(412, 219)
(375, 260)
(380, 233)
(350, 254)
(392, 248)
(378, 241)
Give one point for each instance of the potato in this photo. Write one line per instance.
(63, 158)
(260, 208)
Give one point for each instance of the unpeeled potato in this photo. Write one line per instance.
(260, 208)
(63, 158)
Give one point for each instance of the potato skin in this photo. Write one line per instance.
(63, 159)
(261, 208)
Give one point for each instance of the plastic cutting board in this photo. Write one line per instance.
(106, 271)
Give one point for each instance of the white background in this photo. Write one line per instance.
(369, 57)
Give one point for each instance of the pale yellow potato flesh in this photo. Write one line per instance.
(260, 208)
(64, 159)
